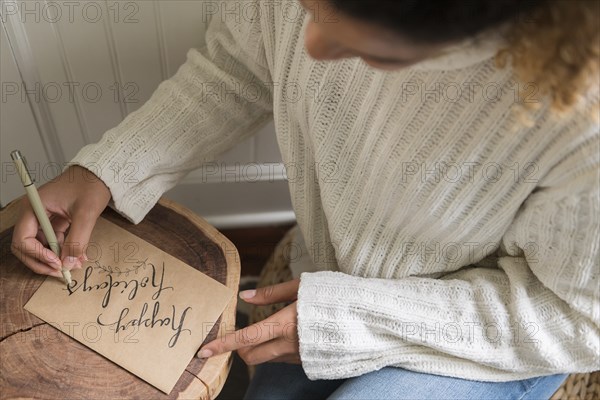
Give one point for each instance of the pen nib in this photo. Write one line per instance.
(67, 275)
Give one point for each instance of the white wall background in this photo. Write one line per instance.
(70, 70)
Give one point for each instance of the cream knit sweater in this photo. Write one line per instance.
(449, 239)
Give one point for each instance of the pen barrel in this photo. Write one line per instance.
(40, 213)
(38, 208)
(36, 202)
(23, 172)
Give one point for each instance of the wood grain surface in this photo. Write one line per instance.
(38, 361)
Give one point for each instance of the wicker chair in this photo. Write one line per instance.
(276, 270)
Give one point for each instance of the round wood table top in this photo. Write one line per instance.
(32, 351)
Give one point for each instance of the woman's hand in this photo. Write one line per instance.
(73, 201)
(274, 339)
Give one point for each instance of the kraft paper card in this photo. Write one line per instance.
(136, 305)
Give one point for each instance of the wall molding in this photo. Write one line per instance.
(251, 219)
(23, 56)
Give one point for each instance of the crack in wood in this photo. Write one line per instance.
(3, 338)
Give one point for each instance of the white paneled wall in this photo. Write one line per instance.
(21, 124)
(71, 70)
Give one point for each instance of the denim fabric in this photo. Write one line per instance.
(285, 381)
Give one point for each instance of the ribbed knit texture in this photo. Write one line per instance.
(449, 238)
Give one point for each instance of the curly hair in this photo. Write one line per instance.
(556, 46)
(552, 44)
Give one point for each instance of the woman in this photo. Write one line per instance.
(445, 181)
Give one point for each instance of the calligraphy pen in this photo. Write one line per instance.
(38, 208)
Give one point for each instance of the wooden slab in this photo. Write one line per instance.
(38, 361)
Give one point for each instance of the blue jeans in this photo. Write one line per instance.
(286, 381)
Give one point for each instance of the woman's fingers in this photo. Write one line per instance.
(41, 238)
(25, 245)
(287, 291)
(280, 348)
(40, 268)
(251, 335)
(73, 202)
(77, 239)
(32, 249)
(60, 226)
(282, 323)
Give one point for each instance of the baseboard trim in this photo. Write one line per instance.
(251, 219)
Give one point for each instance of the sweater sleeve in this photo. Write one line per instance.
(533, 310)
(216, 99)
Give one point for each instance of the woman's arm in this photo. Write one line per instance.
(217, 98)
(534, 311)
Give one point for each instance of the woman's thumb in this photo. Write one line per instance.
(75, 244)
(279, 293)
